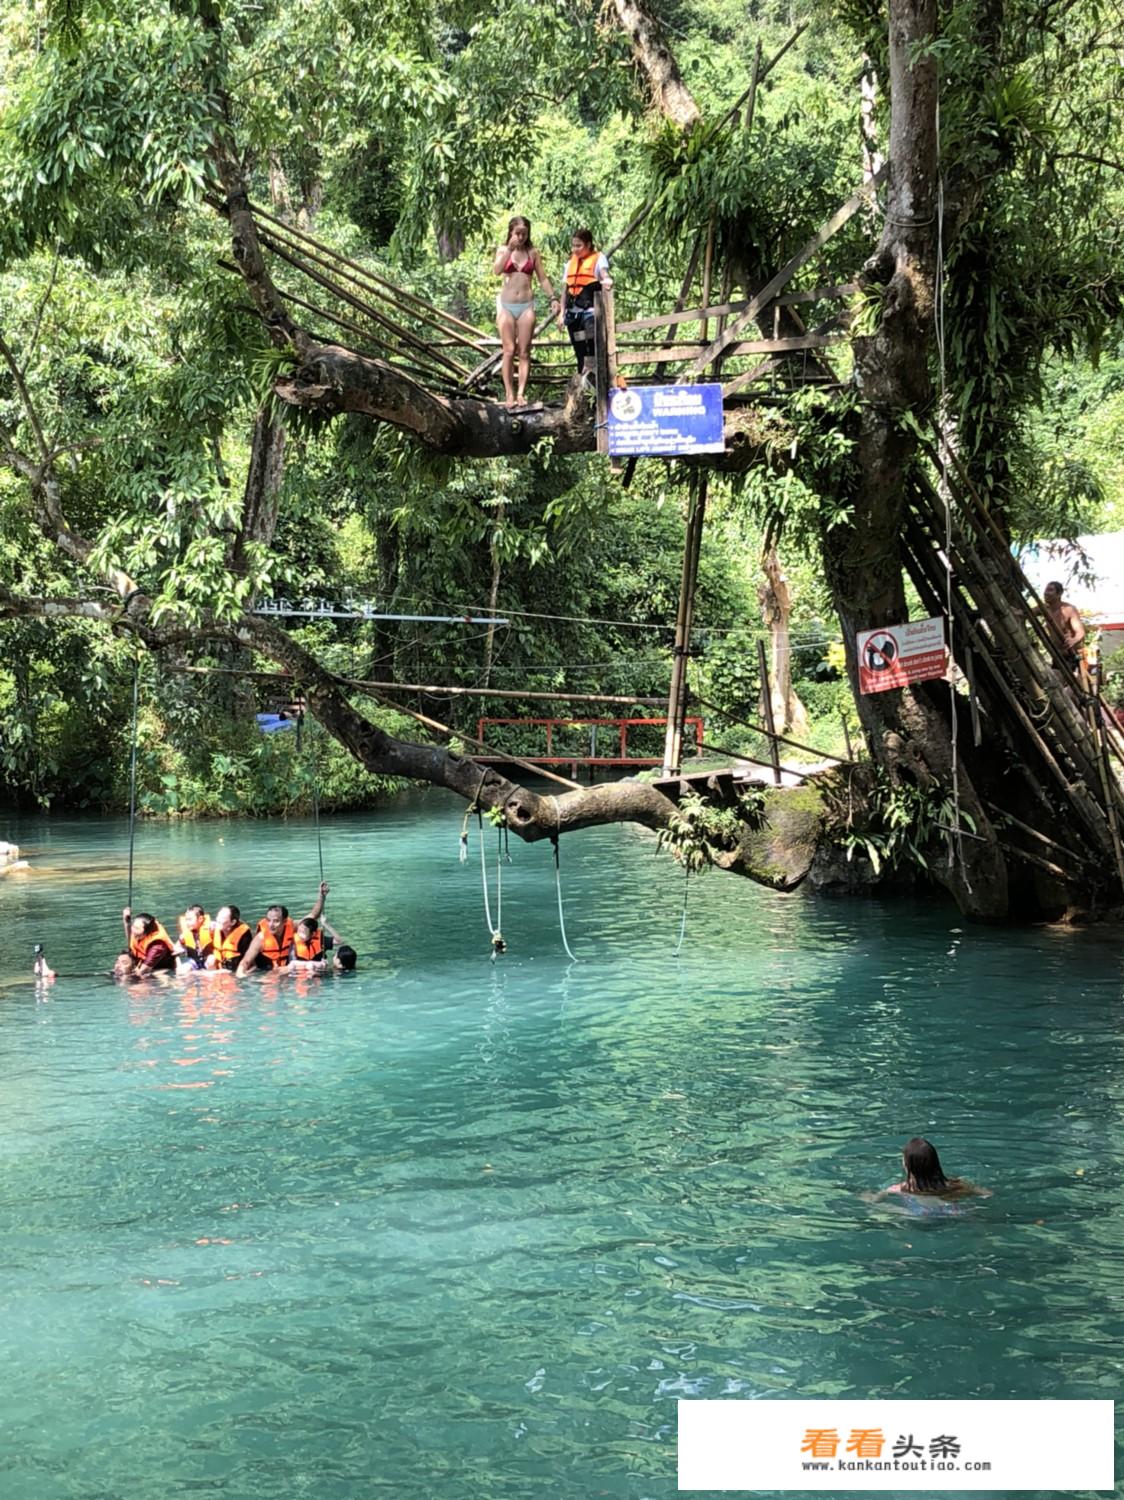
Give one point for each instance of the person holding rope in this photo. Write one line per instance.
(148, 946)
(516, 262)
(272, 944)
(587, 271)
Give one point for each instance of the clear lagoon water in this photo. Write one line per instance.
(450, 1228)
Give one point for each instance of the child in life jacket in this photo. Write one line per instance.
(586, 272)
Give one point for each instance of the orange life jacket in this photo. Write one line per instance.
(196, 943)
(314, 948)
(226, 951)
(276, 951)
(581, 272)
(139, 946)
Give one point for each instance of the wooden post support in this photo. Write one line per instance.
(846, 735)
(677, 692)
(767, 711)
(602, 315)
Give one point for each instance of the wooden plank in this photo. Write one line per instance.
(749, 346)
(601, 369)
(723, 309)
(788, 271)
(691, 315)
(819, 294)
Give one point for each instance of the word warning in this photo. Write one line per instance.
(899, 654)
(663, 420)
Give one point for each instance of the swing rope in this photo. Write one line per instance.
(498, 944)
(683, 918)
(558, 881)
(133, 776)
(315, 787)
(316, 805)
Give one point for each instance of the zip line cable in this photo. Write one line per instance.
(133, 776)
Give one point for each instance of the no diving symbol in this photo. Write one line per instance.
(880, 652)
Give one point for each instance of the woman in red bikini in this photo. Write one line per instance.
(517, 262)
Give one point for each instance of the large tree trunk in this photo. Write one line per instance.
(909, 736)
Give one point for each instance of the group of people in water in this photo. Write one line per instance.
(519, 264)
(226, 943)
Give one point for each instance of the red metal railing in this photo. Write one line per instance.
(622, 726)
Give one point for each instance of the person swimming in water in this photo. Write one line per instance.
(924, 1175)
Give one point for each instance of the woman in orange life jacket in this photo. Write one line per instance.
(196, 939)
(230, 937)
(517, 262)
(272, 944)
(586, 271)
(149, 946)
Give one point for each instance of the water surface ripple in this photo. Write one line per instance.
(450, 1228)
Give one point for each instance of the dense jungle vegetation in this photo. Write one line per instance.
(405, 136)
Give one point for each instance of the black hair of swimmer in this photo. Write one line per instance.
(148, 919)
(923, 1170)
(284, 911)
(345, 957)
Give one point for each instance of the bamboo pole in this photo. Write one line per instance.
(403, 334)
(1038, 679)
(1076, 794)
(427, 307)
(459, 734)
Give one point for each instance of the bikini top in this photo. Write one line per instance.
(526, 268)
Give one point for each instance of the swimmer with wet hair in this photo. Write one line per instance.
(40, 968)
(924, 1175)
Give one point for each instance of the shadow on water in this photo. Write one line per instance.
(451, 1227)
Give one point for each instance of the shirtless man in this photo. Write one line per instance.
(1067, 622)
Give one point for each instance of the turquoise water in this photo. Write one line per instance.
(446, 1228)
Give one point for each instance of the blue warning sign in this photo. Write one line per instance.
(666, 420)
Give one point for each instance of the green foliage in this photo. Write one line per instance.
(698, 832)
(897, 821)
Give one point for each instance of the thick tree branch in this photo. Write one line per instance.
(657, 63)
